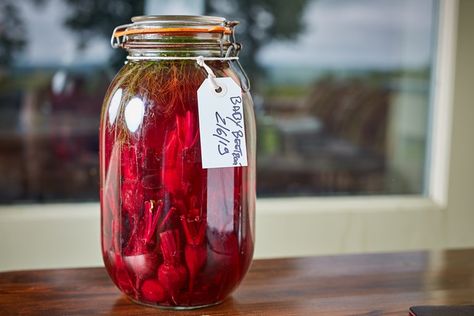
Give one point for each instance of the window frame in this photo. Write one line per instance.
(377, 223)
(48, 235)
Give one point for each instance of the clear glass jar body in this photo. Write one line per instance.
(173, 234)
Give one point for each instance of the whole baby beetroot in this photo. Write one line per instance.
(171, 274)
(152, 291)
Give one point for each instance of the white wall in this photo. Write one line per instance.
(459, 227)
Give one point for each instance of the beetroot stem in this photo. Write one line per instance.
(167, 217)
(187, 233)
(151, 223)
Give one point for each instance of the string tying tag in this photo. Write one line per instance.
(210, 74)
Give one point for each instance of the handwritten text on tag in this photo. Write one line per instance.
(221, 124)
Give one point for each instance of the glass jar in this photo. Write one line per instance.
(174, 234)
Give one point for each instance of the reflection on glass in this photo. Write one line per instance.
(114, 105)
(344, 103)
(342, 92)
(134, 111)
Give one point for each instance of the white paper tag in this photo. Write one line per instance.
(221, 124)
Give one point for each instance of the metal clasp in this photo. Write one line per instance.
(115, 41)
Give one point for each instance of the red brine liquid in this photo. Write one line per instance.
(173, 234)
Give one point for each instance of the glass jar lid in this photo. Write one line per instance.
(172, 25)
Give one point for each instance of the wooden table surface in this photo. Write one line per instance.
(370, 284)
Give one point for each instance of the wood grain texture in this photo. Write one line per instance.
(369, 284)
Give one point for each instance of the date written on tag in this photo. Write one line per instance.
(221, 125)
